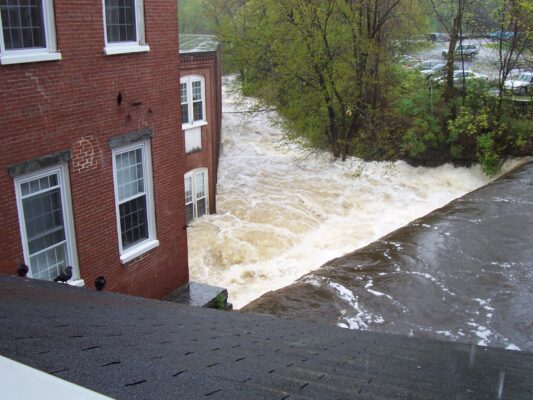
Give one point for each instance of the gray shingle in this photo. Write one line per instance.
(127, 347)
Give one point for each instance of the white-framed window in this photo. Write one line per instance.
(27, 31)
(132, 173)
(45, 217)
(192, 91)
(124, 26)
(196, 194)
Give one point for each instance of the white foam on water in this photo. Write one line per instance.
(432, 279)
(283, 212)
(362, 318)
(482, 332)
(447, 334)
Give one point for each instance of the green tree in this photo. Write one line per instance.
(326, 64)
(192, 17)
(514, 18)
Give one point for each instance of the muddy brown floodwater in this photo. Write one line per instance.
(462, 273)
(283, 212)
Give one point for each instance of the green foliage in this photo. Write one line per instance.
(484, 136)
(523, 129)
(487, 154)
(220, 302)
(188, 13)
(420, 108)
(328, 67)
(475, 134)
(192, 17)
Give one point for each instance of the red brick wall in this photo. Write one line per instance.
(71, 104)
(207, 66)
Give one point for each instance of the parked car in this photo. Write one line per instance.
(428, 64)
(465, 74)
(407, 61)
(438, 37)
(436, 70)
(467, 50)
(523, 84)
(501, 35)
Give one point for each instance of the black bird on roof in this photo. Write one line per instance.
(22, 270)
(64, 275)
(99, 283)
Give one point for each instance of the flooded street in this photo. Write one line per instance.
(283, 212)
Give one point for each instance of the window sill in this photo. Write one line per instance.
(125, 49)
(7, 58)
(138, 250)
(196, 124)
(193, 151)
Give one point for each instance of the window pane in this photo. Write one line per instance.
(133, 221)
(49, 264)
(200, 207)
(43, 217)
(200, 185)
(120, 21)
(184, 113)
(45, 230)
(197, 90)
(197, 105)
(188, 189)
(198, 110)
(195, 195)
(183, 92)
(22, 24)
(129, 171)
(189, 208)
(184, 103)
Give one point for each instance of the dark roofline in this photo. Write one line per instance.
(127, 347)
(199, 54)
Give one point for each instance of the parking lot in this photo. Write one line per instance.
(485, 62)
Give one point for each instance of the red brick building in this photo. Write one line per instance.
(92, 149)
(201, 107)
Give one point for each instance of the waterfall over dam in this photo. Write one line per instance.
(283, 211)
(462, 273)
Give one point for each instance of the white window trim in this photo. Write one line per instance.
(151, 242)
(192, 174)
(66, 204)
(139, 46)
(189, 79)
(48, 53)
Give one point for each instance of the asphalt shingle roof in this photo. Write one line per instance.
(133, 348)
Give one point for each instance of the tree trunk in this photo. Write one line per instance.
(448, 94)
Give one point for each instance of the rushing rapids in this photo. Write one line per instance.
(461, 273)
(283, 212)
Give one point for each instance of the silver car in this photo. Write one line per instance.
(523, 84)
(435, 70)
(466, 75)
